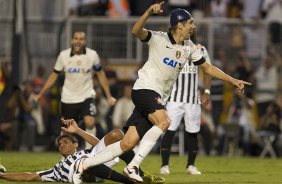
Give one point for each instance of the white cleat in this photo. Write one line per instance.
(193, 170)
(165, 170)
(133, 173)
(2, 169)
(77, 171)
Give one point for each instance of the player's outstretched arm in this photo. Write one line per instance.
(138, 29)
(24, 176)
(50, 81)
(216, 72)
(105, 85)
(72, 127)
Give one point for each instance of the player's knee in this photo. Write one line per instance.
(126, 145)
(163, 124)
(89, 122)
(117, 134)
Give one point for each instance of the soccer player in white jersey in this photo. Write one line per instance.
(167, 56)
(184, 102)
(78, 95)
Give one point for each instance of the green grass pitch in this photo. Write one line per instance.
(214, 170)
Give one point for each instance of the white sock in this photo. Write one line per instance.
(110, 152)
(146, 145)
(92, 132)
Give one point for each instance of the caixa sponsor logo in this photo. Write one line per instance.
(172, 63)
(78, 70)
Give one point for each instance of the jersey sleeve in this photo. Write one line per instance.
(96, 61)
(155, 38)
(205, 54)
(196, 55)
(59, 65)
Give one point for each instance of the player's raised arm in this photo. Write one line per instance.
(216, 72)
(138, 29)
(72, 127)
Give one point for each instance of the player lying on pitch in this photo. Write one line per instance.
(63, 170)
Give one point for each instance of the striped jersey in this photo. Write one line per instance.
(185, 88)
(78, 69)
(165, 61)
(63, 170)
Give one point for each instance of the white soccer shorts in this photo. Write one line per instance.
(190, 112)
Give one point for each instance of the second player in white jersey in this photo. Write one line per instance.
(78, 96)
(78, 84)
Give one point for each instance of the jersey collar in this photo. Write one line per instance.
(171, 38)
(173, 42)
(83, 52)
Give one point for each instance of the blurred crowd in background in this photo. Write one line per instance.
(244, 123)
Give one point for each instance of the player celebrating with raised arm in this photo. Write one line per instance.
(167, 56)
(78, 93)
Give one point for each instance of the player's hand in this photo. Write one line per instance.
(205, 99)
(240, 84)
(111, 101)
(156, 8)
(70, 125)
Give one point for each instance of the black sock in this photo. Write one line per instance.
(192, 143)
(104, 172)
(166, 146)
(127, 157)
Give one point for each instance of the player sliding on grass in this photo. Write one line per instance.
(168, 53)
(63, 170)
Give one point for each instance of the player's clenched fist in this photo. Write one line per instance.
(156, 8)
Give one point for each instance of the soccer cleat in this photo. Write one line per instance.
(165, 170)
(193, 170)
(77, 171)
(133, 173)
(2, 169)
(152, 179)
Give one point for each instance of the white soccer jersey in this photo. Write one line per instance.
(185, 89)
(78, 84)
(166, 59)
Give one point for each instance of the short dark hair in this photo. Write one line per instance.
(78, 31)
(72, 138)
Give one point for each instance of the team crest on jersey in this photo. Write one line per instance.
(160, 101)
(78, 62)
(178, 54)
